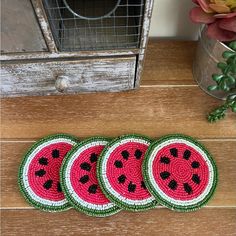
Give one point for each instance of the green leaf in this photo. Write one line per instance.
(230, 61)
(216, 77)
(233, 68)
(233, 45)
(215, 116)
(224, 86)
(231, 97)
(212, 87)
(230, 104)
(222, 65)
(228, 54)
(233, 107)
(231, 80)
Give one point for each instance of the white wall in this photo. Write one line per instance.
(170, 19)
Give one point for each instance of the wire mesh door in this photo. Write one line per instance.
(95, 24)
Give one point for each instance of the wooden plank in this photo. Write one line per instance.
(207, 222)
(168, 61)
(20, 31)
(168, 82)
(151, 111)
(41, 78)
(224, 155)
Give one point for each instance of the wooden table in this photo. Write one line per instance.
(169, 101)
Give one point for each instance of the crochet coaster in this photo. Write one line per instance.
(38, 177)
(180, 172)
(120, 173)
(79, 179)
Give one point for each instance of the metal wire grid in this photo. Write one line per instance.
(119, 30)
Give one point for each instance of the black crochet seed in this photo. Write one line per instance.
(118, 164)
(174, 152)
(187, 154)
(40, 172)
(173, 184)
(143, 185)
(131, 187)
(59, 190)
(85, 166)
(195, 164)
(125, 154)
(165, 174)
(165, 160)
(92, 188)
(43, 161)
(121, 179)
(138, 154)
(84, 179)
(48, 184)
(196, 179)
(93, 157)
(188, 188)
(55, 153)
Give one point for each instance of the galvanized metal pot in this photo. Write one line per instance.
(209, 53)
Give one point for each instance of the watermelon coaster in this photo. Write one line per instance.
(79, 179)
(120, 173)
(39, 178)
(180, 172)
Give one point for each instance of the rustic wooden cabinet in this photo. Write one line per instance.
(52, 47)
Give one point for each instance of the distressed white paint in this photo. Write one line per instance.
(146, 27)
(83, 76)
(81, 54)
(39, 10)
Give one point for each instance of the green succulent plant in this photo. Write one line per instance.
(226, 81)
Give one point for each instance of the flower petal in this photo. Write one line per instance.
(197, 15)
(220, 8)
(215, 32)
(204, 4)
(195, 1)
(228, 24)
(229, 15)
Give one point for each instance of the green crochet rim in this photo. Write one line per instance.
(23, 190)
(109, 195)
(162, 200)
(75, 203)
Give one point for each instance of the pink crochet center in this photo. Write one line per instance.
(181, 171)
(52, 171)
(132, 169)
(76, 173)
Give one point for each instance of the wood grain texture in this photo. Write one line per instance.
(20, 31)
(168, 102)
(169, 61)
(225, 195)
(207, 222)
(38, 78)
(151, 111)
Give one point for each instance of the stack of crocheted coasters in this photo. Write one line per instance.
(100, 176)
